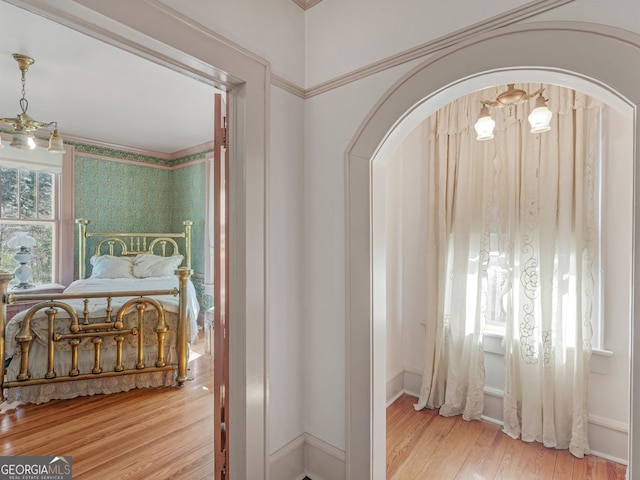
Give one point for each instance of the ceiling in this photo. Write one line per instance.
(98, 92)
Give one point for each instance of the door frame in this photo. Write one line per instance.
(168, 38)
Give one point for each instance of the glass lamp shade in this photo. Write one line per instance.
(55, 143)
(540, 116)
(23, 140)
(485, 125)
(21, 239)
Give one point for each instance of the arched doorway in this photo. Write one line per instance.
(564, 49)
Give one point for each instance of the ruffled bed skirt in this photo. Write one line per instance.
(99, 385)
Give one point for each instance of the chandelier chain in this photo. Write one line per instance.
(24, 103)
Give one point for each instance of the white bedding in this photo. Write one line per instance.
(140, 284)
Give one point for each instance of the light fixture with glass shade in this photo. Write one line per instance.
(539, 118)
(24, 126)
(485, 124)
(23, 243)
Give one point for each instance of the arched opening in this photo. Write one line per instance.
(427, 87)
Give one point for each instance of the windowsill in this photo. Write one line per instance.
(601, 352)
(493, 333)
(595, 351)
(40, 288)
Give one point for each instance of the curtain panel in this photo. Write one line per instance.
(521, 205)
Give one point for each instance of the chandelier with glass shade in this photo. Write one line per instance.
(24, 127)
(539, 118)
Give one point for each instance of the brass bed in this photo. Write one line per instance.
(128, 325)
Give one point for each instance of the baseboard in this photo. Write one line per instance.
(609, 438)
(307, 456)
(287, 463)
(323, 461)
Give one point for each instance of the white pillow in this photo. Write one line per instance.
(150, 265)
(108, 266)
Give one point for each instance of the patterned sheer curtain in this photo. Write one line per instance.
(521, 205)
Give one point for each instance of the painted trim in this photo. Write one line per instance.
(109, 158)
(509, 17)
(288, 462)
(611, 458)
(323, 460)
(306, 4)
(71, 139)
(307, 455)
(622, 427)
(287, 86)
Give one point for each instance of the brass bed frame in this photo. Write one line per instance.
(123, 244)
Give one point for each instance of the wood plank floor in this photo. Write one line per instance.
(115, 436)
(424, 445)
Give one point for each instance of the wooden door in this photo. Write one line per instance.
(221, 292)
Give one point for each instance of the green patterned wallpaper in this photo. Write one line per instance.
(122, 197)
(187, 200)
(119, 196)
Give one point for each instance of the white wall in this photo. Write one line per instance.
(622, 14)
(339, 37)
(342, 36)
(332, 118)
(286, 268)
(406, 200)
(272, 29)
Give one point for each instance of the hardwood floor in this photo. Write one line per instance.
(424, 445)
(115, 436)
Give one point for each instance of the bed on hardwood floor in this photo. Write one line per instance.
(127, 325)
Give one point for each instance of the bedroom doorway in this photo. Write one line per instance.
(183, 46)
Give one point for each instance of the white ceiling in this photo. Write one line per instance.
(98, 92)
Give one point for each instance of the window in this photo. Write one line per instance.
(28, 203)
(495, 281)
(495, 284)
(36, 196)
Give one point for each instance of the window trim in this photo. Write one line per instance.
(63, 241)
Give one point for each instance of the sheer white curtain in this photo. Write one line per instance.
(553, 232)
(526, 199)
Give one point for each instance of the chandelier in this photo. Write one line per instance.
(23, 125)
(539, 118)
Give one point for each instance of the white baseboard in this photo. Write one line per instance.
(323, 460)
(307, 456)
(610, 442)
(287, 463)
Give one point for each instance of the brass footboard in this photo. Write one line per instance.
(109, 326)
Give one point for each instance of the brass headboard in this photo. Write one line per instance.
(130, 244)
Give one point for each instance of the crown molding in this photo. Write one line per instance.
(510, 17)
(306, 4)
(288, 86)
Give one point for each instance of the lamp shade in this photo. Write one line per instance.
(55, 143)
(485, 125)
(23, 140)
(540, 116)
(21, 239)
